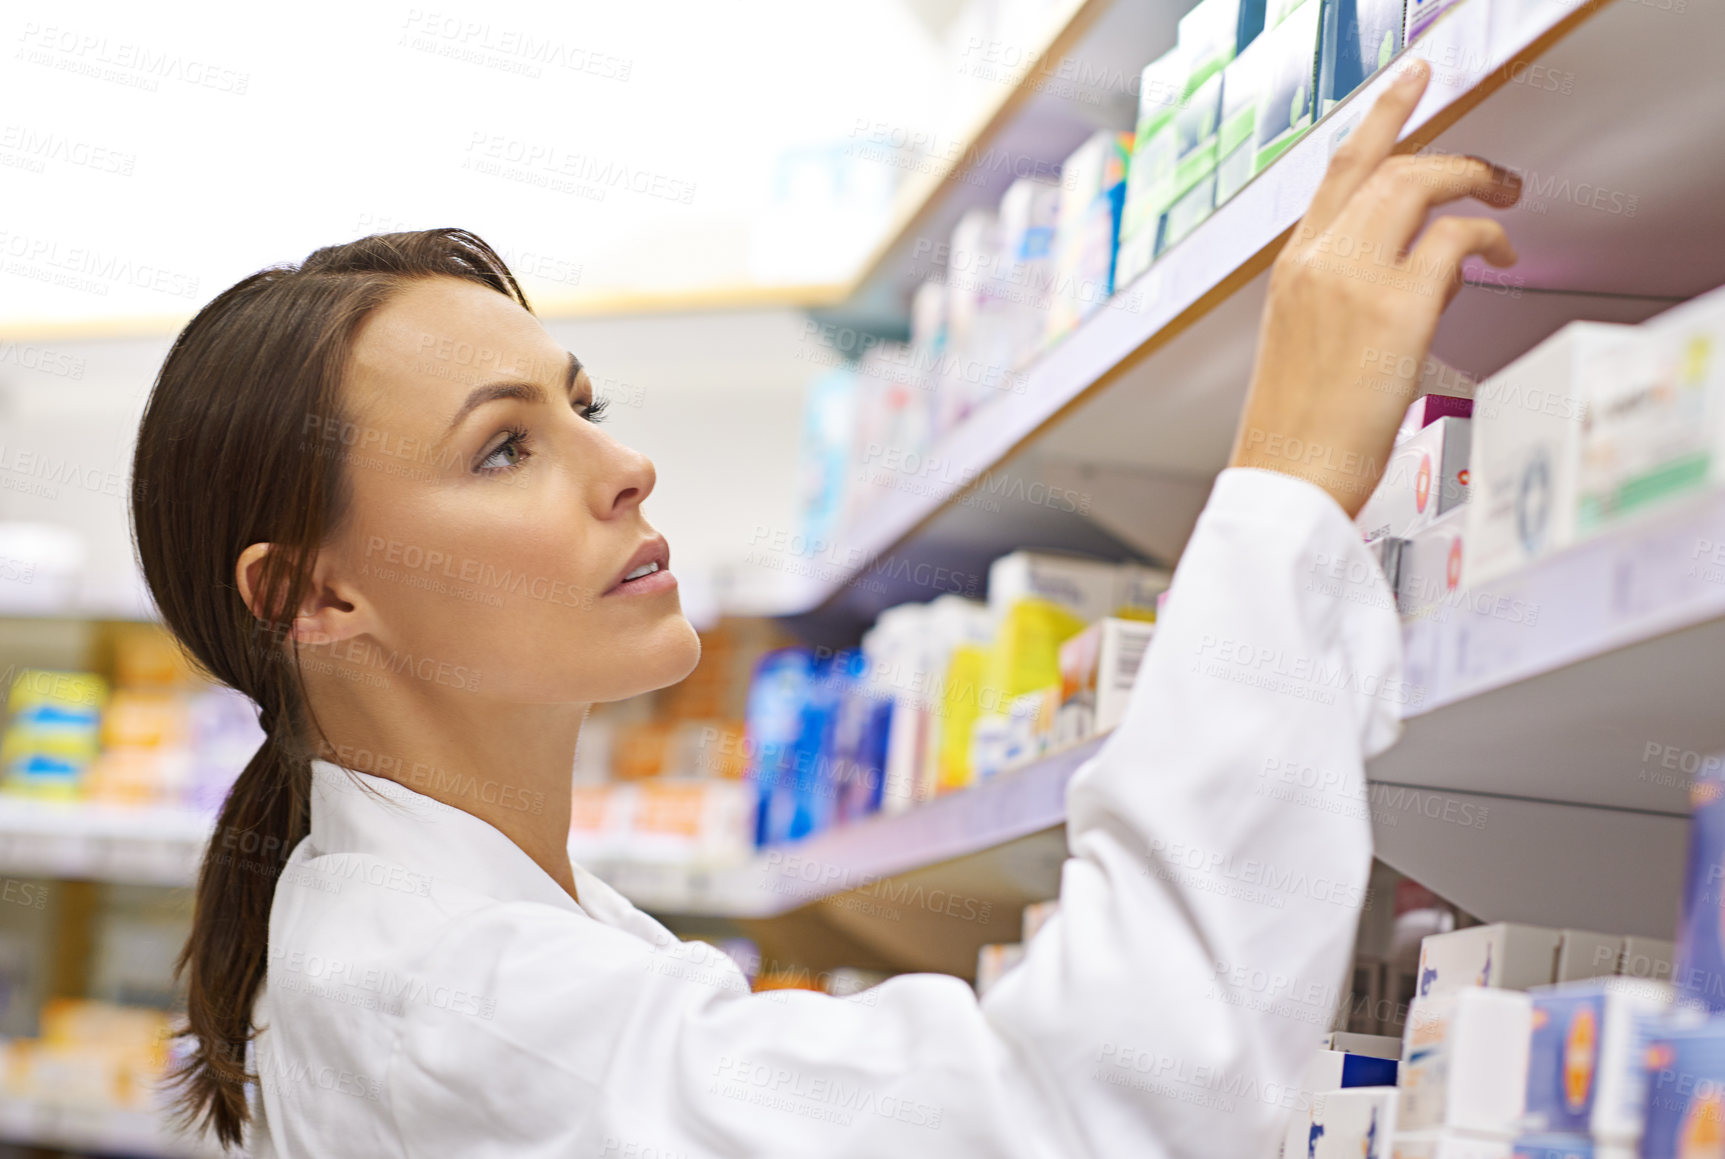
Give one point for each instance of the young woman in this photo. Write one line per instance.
(370, 493)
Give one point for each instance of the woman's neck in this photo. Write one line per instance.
(510, 765)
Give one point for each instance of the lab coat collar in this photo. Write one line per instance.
(354, 812)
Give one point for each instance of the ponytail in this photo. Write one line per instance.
(232, 451)
(224, 960)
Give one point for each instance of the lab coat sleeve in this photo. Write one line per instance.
(1220, 858)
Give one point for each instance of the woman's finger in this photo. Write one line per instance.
(1365, 149)
(1395, 201)
(1437, 260)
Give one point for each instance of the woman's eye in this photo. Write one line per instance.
(594, 412)
(510, 453)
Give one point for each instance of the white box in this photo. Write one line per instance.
(1586, 954)
(1571, 1147)
(1139, 587)
(1097, 670)
(1464, 1061)
(1431, 566)
(1374, 1045)
(1449, 1145)
(1349, 1123)
(1527, 428)
(1084, 587)
(1427, 475)
(1656, 406)
(1647, 958)
(1504, 955)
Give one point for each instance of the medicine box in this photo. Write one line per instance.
(1195, 140)
(1214, 32)
(1427, 475)
(1656, 409)
(1430, 566)
(1464, 1061)
(1097, 670)
(1429, 408)
(1287, 100)
(1527, 430)
(1686, 1093)
(1087, 230)
(1360, 37)
(1586, 1065)
(1587, 954)
(1699, 968)
(1504, 955)
(1570, 1147)
(1376, 1045)
(1347, 1124)
(1647, 958)
(1138, 590)
(1242, 83)
(1448, 1145)
(1150, 175)
(1087, 588)
(1421, 14)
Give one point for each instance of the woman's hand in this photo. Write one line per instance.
(1354, 302)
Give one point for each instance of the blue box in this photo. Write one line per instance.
(1587, 1056)
(1360, 37)
(1686, 1093)
(1699, 971)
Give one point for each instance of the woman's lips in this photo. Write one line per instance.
(655, 553)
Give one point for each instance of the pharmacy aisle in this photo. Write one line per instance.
(984, 365)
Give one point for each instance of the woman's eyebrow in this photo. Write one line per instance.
(528, 392)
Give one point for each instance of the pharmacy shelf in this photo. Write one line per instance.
(1602, 106)
(149, 845)
(1551, 719)
(95, 1130)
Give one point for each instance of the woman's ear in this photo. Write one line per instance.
(324, 615)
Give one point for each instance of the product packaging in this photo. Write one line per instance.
(1464, 1062)
(1031, 725)
(1587, 1057)
(1346, 1124)
(1375, 1045)
(1431, 563)
(1448, 1145)
(1097, 669)
(53, 732)
(1286, 102)
(1647, 958)
(1699, 967)
(1150, 176)
(1586, 954)
(1138, 591)
(1503, 955)
(1686, 1099)
(1429, 408)
(1214, 32)
(1195, 143)
(1527, 429)
(976, 325)
(1087, 588)
(1242, 84)
(1360, 37)
(1426, 476)
(1093, 191)
(1656, 412)
(1420, 15)
(1028, 213)
(1570, 1147)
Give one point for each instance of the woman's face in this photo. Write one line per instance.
(492, 521)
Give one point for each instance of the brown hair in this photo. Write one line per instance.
(223, 461)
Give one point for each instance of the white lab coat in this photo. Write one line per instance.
(431, 992)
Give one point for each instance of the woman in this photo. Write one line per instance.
(369, 493)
